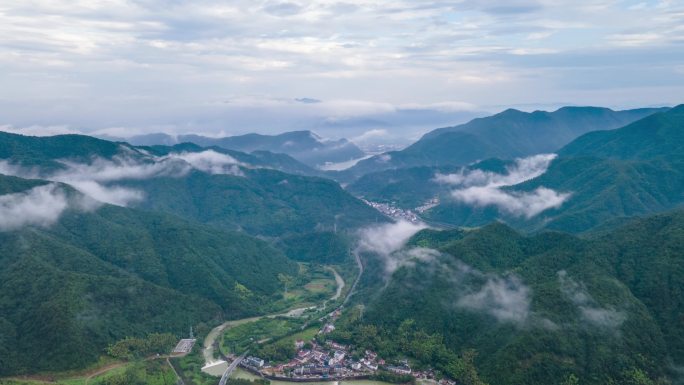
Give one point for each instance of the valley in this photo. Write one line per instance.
(385, 192)
(527, 270)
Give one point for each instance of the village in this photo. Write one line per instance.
(394, 212)
(331, 360)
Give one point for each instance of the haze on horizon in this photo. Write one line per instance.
(366, 70)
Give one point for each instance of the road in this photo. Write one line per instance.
(208, 351)
(209, 341)
(358, 277)
(233, 365)
(340, 284)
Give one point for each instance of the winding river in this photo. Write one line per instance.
(216, 366)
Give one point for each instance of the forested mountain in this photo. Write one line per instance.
(91, 274)
(49, 152)
(412, 186)
(597, 178)
(261, 202)
(222, 187)
(46, 151)
(176, 247)
(536, 309)
(304, 146)
(505, 135)
(262, 159)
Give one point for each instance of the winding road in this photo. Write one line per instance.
(357, 257)
(210, 361)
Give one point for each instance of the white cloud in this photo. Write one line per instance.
(383, 158)
(387, 238)
(370, 135)
(98, 178)
(590, 310)
(37, 130)
(39, 206)
(502, 296)
(139, 65)
(115, 195)
(528, 204)
(522, 170)
(484, 188)
(211, 162)
(505, 298)
(120, 168)
(384, 240)
(342, 165)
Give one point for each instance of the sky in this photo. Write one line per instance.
(383, 70)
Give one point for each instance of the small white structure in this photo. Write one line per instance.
(183, 347)
(254, 362)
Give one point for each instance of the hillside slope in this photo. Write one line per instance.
(221, 187)
(537, 309)
(505, 135)
(96, 274)
(305, 146)
(634, 170)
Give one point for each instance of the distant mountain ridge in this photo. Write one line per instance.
(261, 193)
(305, 146)
(634, 170)
(506, 135)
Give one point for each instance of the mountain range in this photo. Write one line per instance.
(606, 175)
(305, 146)
(72, 282)
(506, 135)
(104, 240)
(537, 309)
(554, 265)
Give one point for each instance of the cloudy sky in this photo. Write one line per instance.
(340, 67)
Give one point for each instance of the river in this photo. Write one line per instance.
(215, 366)
(240, 373)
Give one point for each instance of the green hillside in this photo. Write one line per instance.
(265, 202)
(413, 186)
(266, 159)
(44, 151)
(655, 137)
(631, 171)
(95, 277)
(538, 309)
(262, 201)
(505, 135)
(305, 146)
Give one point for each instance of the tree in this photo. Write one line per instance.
(571, 379)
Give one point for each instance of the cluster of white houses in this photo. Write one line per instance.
(332, 360)
(316, 362)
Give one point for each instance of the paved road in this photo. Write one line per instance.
(233, 365)
(358, 277)
(208, 350)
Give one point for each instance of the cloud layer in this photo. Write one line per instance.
(505, 298)
(356, 65)
(98, 178)
(484, 188)
(590, 310)
(384, 240)
(39, 206)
